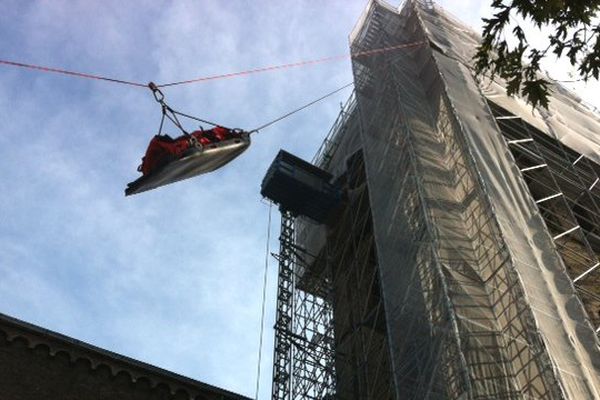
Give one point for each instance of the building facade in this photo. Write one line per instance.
(463, 261)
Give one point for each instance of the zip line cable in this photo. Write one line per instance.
(254, 71)
(295, 64)
(264, 300)
(172, 114)
(70, 73)
(213, 77)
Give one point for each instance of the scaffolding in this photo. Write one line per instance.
(304, 351)
(451, 269)
(565, 186)
(316, 356)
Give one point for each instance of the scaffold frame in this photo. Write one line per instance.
(427, 292)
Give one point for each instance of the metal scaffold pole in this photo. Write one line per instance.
(282, 360)
(303, 365)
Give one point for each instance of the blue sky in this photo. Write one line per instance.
(172, 277)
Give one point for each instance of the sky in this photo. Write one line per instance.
(171, 277)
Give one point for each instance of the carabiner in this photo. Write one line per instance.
(158, 95)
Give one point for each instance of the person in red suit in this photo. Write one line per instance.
(164, 149)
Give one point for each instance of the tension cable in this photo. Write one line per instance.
(219, 76)
(71, 73)
(359, 54)
(263, 303)
(284, 116)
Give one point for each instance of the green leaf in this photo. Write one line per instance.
(573, 36)
(536, 92)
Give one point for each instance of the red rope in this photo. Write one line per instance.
(72, 73)
(296, 64)
(220, 76)
(253, 71)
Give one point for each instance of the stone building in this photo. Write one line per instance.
(38, 364)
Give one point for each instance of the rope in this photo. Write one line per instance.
(295, 64)
(71, 73)
(264, 300)
(300, 108)
(196, 118)
(252, 71)
(170, 113)
(173, 118)
(174, 113)
(214, 77)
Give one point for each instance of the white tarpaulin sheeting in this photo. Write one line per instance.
(561, 320)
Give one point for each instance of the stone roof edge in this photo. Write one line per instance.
(56, 343)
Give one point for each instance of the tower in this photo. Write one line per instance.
(462, 261)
